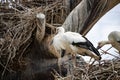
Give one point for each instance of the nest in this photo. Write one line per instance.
(106, 70)
(17, 33)
(102, 70)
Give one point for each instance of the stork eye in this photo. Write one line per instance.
(99, 43)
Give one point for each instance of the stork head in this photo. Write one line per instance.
(60, 30)
(101, 44)
(93, 52)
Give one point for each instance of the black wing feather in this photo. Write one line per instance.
(87, 45)
(118, 41)
(91, 47)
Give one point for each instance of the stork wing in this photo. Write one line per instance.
(78, 40)
(81, 44)
(73, 37)
(118, 41)
(91, 47)
(87, 45)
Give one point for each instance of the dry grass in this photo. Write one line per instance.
(17, 31)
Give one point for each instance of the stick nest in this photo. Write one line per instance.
(17, 31)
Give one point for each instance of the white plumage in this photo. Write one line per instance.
(71, 42)
(113, 39)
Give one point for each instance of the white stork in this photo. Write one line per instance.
(113, 39)
(71, 42)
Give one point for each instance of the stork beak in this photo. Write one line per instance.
(97, 58)
(98, 47)
(96, 54)
(100, 58)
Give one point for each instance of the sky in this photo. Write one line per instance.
(108, 23)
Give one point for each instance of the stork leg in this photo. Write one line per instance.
(60, 60)
(73, 60)
(59, 65)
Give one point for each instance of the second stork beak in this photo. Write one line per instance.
(100, 58)
(98, 47)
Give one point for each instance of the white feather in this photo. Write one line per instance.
(58, 42)
(73, 37)
(114, 36)
(64, 40)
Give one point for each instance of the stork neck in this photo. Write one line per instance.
(61, 32)
(105, 42)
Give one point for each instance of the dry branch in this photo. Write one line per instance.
(18, 34)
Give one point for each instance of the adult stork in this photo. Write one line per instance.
(113, 39)
(72, 42)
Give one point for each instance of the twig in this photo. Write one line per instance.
(57, 74)
(110, 54)
(109, 48)
(4, 67)
(8, 59)
(16, 10)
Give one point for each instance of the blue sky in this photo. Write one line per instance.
(108, 23)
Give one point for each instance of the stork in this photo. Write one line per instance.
(113, 39)
(72, 42)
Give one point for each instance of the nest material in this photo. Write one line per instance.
(106, 70)
(16, 39)
(18, 26)
(102, 70)
(17, 32)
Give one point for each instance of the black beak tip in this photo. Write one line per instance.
(100, 58)
(98, 47)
